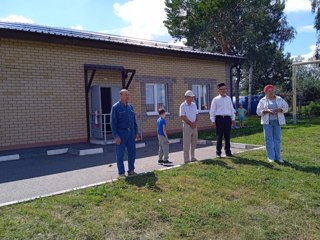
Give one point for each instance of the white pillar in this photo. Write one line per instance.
(294, 94)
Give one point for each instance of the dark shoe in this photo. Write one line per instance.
(229, 155)
(194, 160)
(132, 173)
(167, 162)
(280, 161)
(160, 161)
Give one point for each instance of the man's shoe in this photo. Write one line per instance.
(229, 155)
(194, 160)
(160, 161)
(132, 173)
(218, 155)
(280, 161)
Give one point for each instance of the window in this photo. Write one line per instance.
(156, 97)
(202, 97)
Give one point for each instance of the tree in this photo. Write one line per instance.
(271, 66)
(316, 9)
(237, 27)
(308, 82)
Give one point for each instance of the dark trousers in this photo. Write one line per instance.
(223, 129)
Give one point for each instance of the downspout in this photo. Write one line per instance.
(231, 79)
(86, 82)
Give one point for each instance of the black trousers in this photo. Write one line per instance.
(223, 130)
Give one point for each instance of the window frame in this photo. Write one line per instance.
(199, 85)
(155, 95)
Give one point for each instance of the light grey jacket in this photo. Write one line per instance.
(263, 105)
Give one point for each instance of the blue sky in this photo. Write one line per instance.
(136, 18)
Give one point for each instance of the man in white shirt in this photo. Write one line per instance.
(189, 115)
(222, 117)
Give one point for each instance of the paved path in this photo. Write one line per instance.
(40, 176)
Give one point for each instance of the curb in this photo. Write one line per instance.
(9, 157)
(90, 151)
(68, 150)
(240, 145)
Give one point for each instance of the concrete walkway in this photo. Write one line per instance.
(46, 175)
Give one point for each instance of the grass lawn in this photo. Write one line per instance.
(243, 197)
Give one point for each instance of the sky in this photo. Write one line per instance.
(141, 19)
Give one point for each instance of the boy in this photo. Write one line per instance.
(241, 114)
(163, 138)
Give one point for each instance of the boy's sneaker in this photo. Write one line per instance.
(160, 161)
(167, 162)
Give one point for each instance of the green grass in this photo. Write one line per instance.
(243, 197)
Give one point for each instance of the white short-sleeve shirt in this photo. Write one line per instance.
(190, 111)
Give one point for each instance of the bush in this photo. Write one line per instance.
(314, 108)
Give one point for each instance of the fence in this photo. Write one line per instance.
(100, 128)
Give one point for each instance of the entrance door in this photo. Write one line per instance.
(106, 104)
(102, 99)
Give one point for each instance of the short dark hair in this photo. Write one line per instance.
(221, 85)
(161, 111)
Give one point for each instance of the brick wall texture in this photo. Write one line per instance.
(42, 95)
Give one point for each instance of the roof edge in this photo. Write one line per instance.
(101, 40)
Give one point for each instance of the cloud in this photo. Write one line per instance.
(144, 17)
(15, 18)
(310, 55)
(307, 56)
(298, 6)
(178, 43)
(307, 28)
(77, 27)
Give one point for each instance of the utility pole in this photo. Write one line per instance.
(249, 90)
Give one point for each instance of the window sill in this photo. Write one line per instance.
(203, 111)
(155, 114)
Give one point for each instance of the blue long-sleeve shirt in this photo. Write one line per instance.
(122, 117)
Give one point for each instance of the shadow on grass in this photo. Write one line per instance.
(246, 161)
(217, 163)
(148, 180)
(315, 170)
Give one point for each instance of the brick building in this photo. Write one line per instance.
(54, 81)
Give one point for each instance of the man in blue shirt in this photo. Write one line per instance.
(125, 132)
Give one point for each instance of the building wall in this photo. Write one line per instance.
(42, 92)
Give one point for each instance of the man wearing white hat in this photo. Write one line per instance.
(189, 116)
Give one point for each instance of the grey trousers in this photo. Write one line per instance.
(190, 138)
(163, 148)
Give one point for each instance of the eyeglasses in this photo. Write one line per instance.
(222, 88)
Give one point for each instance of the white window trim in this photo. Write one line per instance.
(203, 111)
(156, 114)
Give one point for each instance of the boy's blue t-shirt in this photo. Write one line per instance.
(160, 122)
(241, 112)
